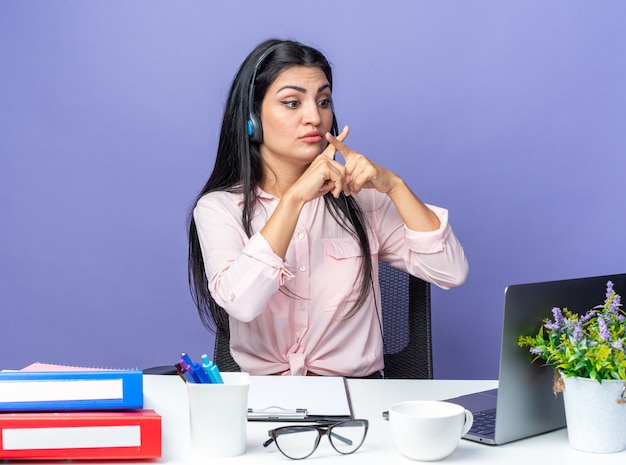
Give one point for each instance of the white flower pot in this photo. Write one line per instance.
(596, 420)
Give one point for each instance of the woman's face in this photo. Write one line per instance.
(296, 113)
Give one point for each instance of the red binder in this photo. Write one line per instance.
(80, 435)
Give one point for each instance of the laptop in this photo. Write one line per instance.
(524, 404)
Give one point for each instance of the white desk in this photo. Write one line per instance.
(168, 396)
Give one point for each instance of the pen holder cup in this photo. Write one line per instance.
(218, 416)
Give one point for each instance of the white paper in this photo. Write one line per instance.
(74, 437)
(319, 395)
(60, 390)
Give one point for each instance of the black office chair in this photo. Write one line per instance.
(221, 352)
(406, 327)
(406, 324)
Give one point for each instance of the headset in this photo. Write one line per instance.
(255, 130)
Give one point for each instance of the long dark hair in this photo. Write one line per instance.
(238, 168)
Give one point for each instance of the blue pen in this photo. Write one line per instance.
(185, 357)
(212, 370)
(198, 371)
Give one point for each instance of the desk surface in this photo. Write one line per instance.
(168, 396)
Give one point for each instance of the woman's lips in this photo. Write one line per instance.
(312, 138)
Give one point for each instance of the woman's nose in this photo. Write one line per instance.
(312, 114)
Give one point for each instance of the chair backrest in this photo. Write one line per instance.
(406, 327)
(221, 353)
(406, 324)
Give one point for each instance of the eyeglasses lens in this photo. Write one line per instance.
(297, 446)
(348, 436)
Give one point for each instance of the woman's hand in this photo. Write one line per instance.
(323, 175)
(360, 172)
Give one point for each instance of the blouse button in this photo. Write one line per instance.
(231, 296)
(302, 268)
(301, 236)
(302, 307)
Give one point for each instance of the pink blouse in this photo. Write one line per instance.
(288, 316)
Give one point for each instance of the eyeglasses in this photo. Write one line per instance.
(345, 437)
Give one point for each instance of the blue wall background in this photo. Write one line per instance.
(512, 114)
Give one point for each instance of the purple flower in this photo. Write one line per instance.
(613, 300)
(535, 350)
(615, 304)
(619, 344)
(577, 334)
(605, 334)
(551, 326)
(588, 316)
(558, 320)
(609, 290)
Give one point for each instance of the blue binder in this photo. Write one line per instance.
(71, 390)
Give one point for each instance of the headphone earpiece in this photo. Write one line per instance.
(254, 128)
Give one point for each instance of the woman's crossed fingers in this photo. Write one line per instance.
(361, 173)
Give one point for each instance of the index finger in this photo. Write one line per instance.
(339, 146)
(330, 150)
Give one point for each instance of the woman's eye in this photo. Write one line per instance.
(325, 103)
(290, 103)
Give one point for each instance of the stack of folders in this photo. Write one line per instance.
(76, 415)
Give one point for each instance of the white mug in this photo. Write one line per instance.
(428, 430)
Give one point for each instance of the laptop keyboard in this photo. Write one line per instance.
(484, 423)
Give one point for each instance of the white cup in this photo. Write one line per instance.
(218, 415)
(428, 430)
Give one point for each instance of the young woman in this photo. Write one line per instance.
(285, 240)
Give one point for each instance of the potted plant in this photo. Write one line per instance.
(588, 354)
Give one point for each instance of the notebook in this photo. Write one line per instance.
(524, 404)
